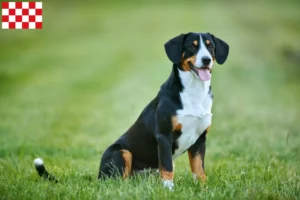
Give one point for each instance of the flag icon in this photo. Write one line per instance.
(22, 15)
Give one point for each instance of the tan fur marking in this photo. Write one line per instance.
(176, 126)
(195, 42)
(196, 166)
(185, 62)
(166, 175)
(207, 42)
(127, 156)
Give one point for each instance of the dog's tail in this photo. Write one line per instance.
(40, 167)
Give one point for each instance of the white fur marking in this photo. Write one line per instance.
(38, 162)
(168, 184)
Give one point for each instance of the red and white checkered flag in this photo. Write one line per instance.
(22, 15)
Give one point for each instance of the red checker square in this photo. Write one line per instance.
(18, 18)
(25, 11)
(31, 4)
(19, 5)
(12, 25)
(31, 18)
(38, 11)
(4, 18)
(25, 25)
(12, 11)
(4, 5)
(38, 25)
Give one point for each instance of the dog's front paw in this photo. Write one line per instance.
(200, 177)
(168, 184)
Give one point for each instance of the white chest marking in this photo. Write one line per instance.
(195, 116)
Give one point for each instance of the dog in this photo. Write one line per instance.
(175, 121)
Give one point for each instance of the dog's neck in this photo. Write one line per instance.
(186, 81)
(195, 97)
(192, 85)
(192, 93)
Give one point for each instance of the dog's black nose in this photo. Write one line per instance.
(206, 60)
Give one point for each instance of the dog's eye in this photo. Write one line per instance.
(192, 47)
(210, 46)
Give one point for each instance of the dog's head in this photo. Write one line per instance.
(196, 53)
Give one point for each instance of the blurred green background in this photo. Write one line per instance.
(71, 89)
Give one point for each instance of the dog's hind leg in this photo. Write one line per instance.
(115, 162)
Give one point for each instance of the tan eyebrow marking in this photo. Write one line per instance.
(207, 42)
(195, 42)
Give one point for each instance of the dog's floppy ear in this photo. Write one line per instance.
(173, 48)
(222, 49)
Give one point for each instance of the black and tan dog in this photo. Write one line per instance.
(175, 121)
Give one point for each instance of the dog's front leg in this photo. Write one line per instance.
(196, 157)
(165, 160)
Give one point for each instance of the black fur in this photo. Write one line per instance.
(173, 48)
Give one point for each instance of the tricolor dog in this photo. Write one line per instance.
(175, 121)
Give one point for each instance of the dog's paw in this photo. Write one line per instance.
(201, 178)
(168, 184)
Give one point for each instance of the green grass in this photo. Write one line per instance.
(71, 89)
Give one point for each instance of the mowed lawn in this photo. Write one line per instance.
(71, 89)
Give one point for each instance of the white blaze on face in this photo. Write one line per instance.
(203, 73)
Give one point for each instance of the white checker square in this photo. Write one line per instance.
(38, 18)
(31, 11)
(11, 18)
(31, 25)
(25, 18)
(25, 5)
(11, 5)
(38, 5)
(18, 25)
(4, 25)
(18, 11)
(5, 11)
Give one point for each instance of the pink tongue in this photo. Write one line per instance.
(204, 74)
